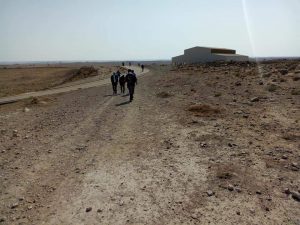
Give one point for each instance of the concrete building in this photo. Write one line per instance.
(206, 54)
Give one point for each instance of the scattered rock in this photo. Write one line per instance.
(287, 191)
(238, 83)
(88, 209)
(255, 99)
(99, 210)
(238, 189)
(203, 145)
(26, 109)
(15, 133)
(295, 195)
(15, 205)
(230, 187)
(194, 216)
(210, 193)
(296, 165)
(284, 157)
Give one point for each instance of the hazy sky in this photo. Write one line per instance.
(145, 29)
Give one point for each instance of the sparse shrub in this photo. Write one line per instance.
(296, 78)
(203, 110)
(266, 75)
(164, 95)
(283, 71)
(295, 92)
(272, 87)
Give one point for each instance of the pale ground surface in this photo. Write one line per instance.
(152, 161)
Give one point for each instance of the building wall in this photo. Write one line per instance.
(231, 58)
(203, 55)
(194, 55)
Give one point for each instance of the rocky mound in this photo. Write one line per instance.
(83, 72)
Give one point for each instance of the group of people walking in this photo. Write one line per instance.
(129, 78)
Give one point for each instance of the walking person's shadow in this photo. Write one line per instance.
(123, 103)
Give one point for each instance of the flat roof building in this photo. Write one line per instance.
(206, 54)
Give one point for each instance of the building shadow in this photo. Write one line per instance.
(123, 103)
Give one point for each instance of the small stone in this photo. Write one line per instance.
(121, 203)
(194, 216)
(230, 187)
(255, 99)
(238, 189)
(287, 191)
(252, 211)
(99, 210)
(203, 145)
(210, 193)
(26, 109)
(258, 192)
(15, 133)
(284, 157)
(295, 195)
(238, 83)
(295, 164)
(88, 209)
(230, 145)
(15, 205)
(238, 213)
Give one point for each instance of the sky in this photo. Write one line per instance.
(52, 30)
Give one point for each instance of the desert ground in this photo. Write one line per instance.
(18, 79)
(215, 143)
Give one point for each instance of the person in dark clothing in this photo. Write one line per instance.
(122, 83)
(114, 81)
(143, 67)
(131, 82)
(123, 64)
(118, 73)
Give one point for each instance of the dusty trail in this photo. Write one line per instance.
(150, 161)
(101, 154)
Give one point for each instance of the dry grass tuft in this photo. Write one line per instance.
(203, 110)
(164, 95)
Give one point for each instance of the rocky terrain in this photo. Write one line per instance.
(200, 144)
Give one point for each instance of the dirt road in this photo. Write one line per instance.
(93, 158)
